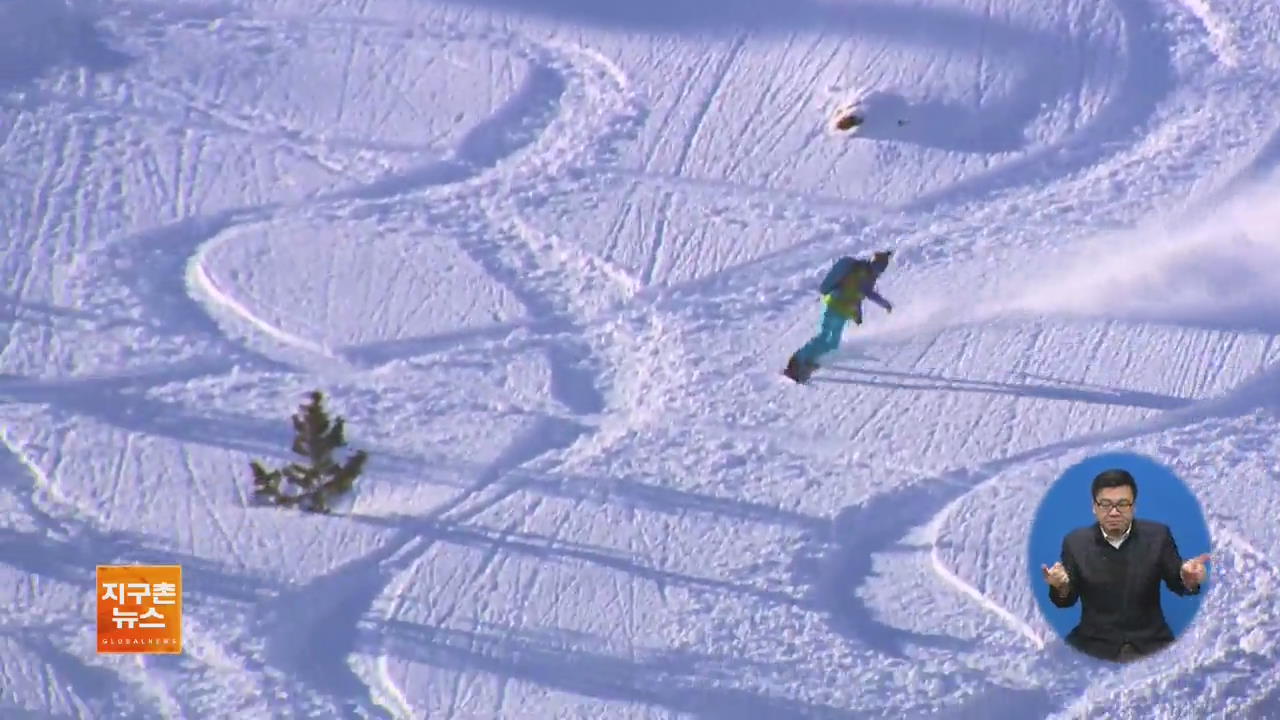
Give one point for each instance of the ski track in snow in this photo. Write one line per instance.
(354, 587)
(573, 106)
(475, 169)
(1257, 392)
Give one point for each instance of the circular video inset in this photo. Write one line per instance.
(1119, 557)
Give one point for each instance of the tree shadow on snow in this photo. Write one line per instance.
(546, 548)
(630, 494)
(624, 492)
(73, 560)
(122, 401)
(693, 685)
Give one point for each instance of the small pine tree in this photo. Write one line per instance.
(316, 439)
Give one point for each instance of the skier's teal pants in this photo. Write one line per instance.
(827, 339)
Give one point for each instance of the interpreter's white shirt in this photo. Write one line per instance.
(1116, 543)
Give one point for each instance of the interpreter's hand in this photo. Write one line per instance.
(1056, 576)
(1193, 571)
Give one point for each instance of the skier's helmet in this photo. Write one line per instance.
(880, 260)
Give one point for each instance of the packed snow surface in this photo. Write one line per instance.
(547, 258)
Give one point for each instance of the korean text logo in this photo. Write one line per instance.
(140, 609)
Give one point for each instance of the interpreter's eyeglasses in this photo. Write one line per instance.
(1107, 505)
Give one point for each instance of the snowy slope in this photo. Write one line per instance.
(547, 257)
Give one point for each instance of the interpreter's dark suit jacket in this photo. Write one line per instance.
(1119, 589)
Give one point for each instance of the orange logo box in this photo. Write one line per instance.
(140, 609)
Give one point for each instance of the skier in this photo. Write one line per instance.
(845, 286)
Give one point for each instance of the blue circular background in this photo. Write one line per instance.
(1162, 497)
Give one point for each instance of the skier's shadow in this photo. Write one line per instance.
(845, 355)
(943, 125)
(1048, 388)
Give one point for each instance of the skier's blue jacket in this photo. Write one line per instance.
(856, 281)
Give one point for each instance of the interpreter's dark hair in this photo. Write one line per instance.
(1114, 478)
